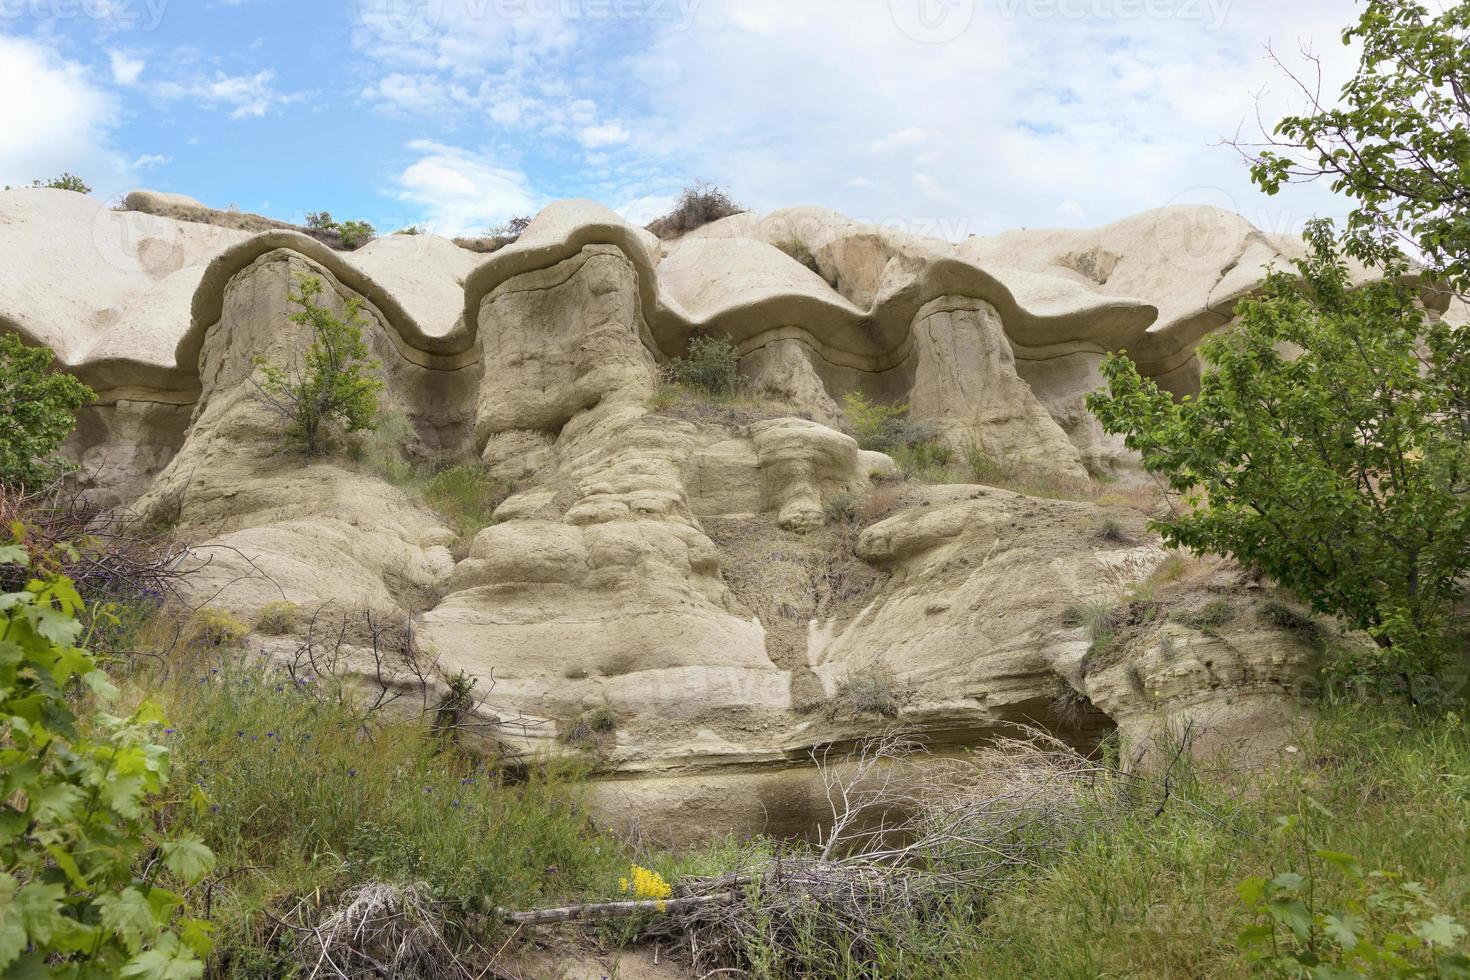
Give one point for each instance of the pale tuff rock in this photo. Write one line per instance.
(684, 572)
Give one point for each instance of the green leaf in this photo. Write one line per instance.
(13, 939)
(57, 803)
(38, 906)
(188, 857)
(1252, 891)
(129, 917)
(169, 960)
(1343, 929)
(1292, 914)
(1345, 863)
(1288, 881)
(1441, 930)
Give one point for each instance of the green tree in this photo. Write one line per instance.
(37, 412)
(1399, 141)
(330, 384)
(1327, 447)
(712, 365)
(83, 872)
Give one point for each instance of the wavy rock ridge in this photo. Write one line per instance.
(675, 570)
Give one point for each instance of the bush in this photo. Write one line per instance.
(591, 727)
(712, 366)
(874, 690)
(466, 495)
(277, 618)
(913, 443)
(329, 385)
(88, 886)
(344, 234)
(213, 627)
(798, 250)
(66, 182)
(1210, 617)
(699, 204)
(1339, 472)
(840, 508)
(37, 412)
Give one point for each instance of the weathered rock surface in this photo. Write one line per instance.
(682, 572)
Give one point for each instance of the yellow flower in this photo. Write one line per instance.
(647, 884)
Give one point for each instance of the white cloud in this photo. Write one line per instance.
(125, 69)
(1016, 117)
(403, 94)
(64, 122)
(462, 192)
(1031, 114)
(152, 160)
(245, 96)
(903, 137)
(608, 134)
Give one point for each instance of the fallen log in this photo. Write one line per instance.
(598, 911)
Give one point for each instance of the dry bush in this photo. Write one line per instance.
(701, 203)
(496, 238)
(382, 930)
(910, 839)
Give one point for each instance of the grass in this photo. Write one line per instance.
(1154, 895)
(873, 690)
(302, 797)
(465, 495)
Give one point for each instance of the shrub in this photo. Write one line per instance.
(213, 627)
(355, 234)
(798, 250)
(912, 443)
(466, 495)
(329, 385)
(344, 234)
(66, 182)
(1100, 621)
(712, 366)
(1339, 472)
(37, 412)
(88, 886)
(1113, 532)
(591, 727)
(840, 508)
(699, 204)
(277, 618)
(1284, 617)
(1213, 615)
(874, 690)
(1382, 927)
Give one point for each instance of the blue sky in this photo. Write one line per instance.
(949, 117)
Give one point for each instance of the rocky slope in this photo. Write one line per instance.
(671, 571)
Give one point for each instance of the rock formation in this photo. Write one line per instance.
(678, 571)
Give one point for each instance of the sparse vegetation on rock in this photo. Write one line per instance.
(711, 366)
(330, 384)
(699, 204)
